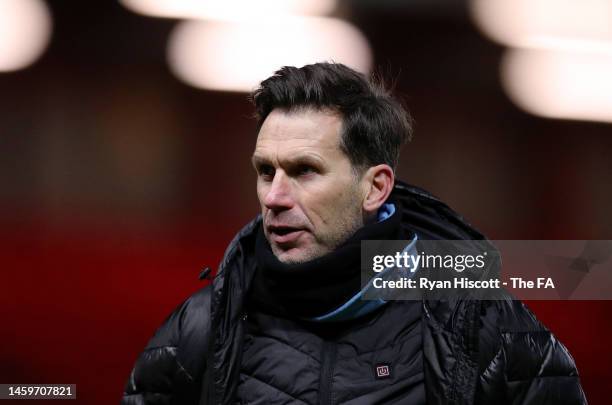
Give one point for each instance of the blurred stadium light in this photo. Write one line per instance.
(229, 9)
(236, 56)
(231, 44)
(561, 63)
(25, 30)
(560, 84)
(546, 23)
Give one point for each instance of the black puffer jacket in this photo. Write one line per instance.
(472, 352)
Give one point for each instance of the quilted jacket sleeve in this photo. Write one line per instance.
(170, 369)
(522, 362)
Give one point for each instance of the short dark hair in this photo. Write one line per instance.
(375, 124)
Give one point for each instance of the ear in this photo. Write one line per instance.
(378, 183)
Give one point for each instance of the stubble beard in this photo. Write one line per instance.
(349, 221)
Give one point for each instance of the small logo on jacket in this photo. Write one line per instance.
(383, 371)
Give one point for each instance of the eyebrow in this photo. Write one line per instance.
(258, 160)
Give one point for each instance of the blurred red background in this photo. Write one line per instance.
(118, 183)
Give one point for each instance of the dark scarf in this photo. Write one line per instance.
(321, 285)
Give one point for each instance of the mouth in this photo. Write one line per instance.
(284, 234)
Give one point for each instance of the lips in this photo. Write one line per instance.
(284, 234)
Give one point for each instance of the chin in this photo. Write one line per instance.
(291, 258)
(295, 255)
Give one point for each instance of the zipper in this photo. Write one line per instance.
(328, 358)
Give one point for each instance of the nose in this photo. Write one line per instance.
(278, 196)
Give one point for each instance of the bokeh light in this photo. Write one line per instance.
(229, 9)
(25, 30)
(236, 56)
(560, 84)
(555, 24)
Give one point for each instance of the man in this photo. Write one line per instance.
(283, 321)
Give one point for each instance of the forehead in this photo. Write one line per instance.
(301, 129)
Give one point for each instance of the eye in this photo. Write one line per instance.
(304, 170)
(266, 171)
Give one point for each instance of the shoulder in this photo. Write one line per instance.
(504, 324)
(509, 326)
(174, 356)
(520, 357)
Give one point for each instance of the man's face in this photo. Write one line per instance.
(311, 200)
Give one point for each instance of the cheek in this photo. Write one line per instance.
(332, 207)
